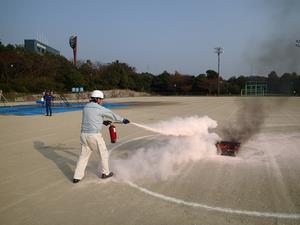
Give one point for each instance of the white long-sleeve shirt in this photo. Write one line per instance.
(93, 115)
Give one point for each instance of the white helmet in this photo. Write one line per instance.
(97, 94)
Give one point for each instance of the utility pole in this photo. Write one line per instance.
(219, 51)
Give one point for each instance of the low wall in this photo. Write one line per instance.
(118, 93)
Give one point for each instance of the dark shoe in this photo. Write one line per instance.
(104, 176)
(75, 181)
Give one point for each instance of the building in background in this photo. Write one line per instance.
(255, 88)
(39, 47)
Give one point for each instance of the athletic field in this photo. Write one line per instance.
(159, 180)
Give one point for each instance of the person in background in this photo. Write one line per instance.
(93, 115)
(48, 98)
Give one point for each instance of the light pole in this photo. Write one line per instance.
(73, 45)
(219, 51)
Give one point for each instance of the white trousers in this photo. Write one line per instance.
(91, 143)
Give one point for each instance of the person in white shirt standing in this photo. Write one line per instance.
(91, 139)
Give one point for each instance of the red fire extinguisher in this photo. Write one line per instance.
(113, 133)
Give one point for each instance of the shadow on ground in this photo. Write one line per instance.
(55, 154)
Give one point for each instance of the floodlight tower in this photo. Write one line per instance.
(73, 45)
(219, 51)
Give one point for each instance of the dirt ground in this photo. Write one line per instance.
(259, 186)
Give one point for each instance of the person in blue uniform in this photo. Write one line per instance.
(48, 98)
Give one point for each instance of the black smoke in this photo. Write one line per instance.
(278, 51)
(250, 117)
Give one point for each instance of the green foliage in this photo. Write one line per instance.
(143, 82)
(211, 75)
(114, 75)
(236, 84)
(162, 83)
(22, 71)
(89, 74)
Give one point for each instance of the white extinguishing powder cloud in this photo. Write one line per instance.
(178, 126)
(182, 140)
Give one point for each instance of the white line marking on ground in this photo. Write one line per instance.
(225, 210)
(200, 205)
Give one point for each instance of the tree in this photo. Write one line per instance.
(273, 83)
(143, 82)
(212, 81)
(89, 71)
(24, 71)
(182, 84)
(288, 83)
(211, 75)
(162, 83)
(199, 85)
(118, 75)
(235, 85)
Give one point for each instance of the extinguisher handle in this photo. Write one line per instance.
(106, 122)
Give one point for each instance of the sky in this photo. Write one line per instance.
(258, 36)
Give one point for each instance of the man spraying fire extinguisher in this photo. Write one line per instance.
(91, 139)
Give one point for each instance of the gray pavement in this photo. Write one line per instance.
(259, 186)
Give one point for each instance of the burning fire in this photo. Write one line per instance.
(229, 148)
